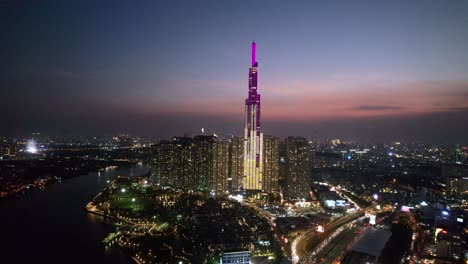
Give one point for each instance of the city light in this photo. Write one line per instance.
(372, 219)
(31, 146)
(320, 229)
(201, 196)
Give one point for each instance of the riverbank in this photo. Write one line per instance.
(24, 183)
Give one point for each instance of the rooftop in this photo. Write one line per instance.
(372, 241)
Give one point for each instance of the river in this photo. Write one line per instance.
(51, 226)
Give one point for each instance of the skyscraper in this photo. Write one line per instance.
(182, 162)
(172, 164)
(253, 145)
(203, 162)
(192, 164)
(456, 178)
(297, 168)
(271, 163)
(162, 164)
(220, 166)
(236, 168)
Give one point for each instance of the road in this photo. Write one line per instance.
(337, 246)
(306, 242)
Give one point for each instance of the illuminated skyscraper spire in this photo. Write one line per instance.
(254, 53)
(253, 145)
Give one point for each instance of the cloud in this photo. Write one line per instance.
(458, 109)
(377, 107)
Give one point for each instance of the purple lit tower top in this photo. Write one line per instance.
(254, 97)
(254, 54)
(253, 167)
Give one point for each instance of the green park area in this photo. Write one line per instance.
(134, 205)
(128, 198)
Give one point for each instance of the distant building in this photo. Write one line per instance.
(271, 161)
(456, 178)
(182, 163)
(331, 199)
(220, 166)
(123, 140)
(236, 166)
(203, 162)
(162, 164)
(297, 168)
(241, 257)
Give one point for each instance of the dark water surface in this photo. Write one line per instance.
(51, 226)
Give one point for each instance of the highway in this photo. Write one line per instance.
(302, 245)
(337, 246)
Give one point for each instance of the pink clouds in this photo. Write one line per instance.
(312, 101)
(331, 101)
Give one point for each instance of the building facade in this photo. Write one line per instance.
(220, 166)
(253, 144)
(297, 168)
(271, 160)
(192, 164)
(236, 165)
(241, 257)
(456, 178)
(203, 162)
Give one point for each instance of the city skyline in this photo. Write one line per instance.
(364, 71)
(223, 132)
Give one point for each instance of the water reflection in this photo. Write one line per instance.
(51, 226)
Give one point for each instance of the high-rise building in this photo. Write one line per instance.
(198, 164)
(162, 164)
(236, 167)
(297, 168)
(456, 178)
(271, 160)
(182, 171)
(172, 164)
(203, 162)
(253, 145)
(220, 166)
(457, 154)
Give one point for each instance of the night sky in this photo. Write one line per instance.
(369, 71)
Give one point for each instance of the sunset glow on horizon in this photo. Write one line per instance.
(182, 66)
